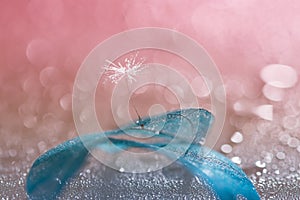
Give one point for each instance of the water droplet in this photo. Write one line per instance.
(281, 76)
(280, 155)
(121, 169)
(292, 169)
(236, 160)
(264, 112)
(58, 180)
(85, 115)
(272, 93)
(258, 173)
(226, 148)
(57, 91)
(241, 107)
(40, 52)
(30, 121)
(293, 142)
(31, 84)
(240, 197)
(49, 76)
(260, 164)
(66, 102)
(284, 138)
(237, 137)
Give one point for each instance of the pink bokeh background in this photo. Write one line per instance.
(43, 44)
(49, 39)
(241, 37)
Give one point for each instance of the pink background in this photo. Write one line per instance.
(44, 42)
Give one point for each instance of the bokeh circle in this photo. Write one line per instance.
(168, 40)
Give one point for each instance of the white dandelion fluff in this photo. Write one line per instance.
(130, 68)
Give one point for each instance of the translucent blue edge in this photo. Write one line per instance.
(51, 170)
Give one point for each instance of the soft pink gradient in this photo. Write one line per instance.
(241, 37)
(49, 39)
(43, 44)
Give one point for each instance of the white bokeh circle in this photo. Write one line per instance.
(144, 38)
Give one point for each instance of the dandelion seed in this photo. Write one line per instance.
(130, 68)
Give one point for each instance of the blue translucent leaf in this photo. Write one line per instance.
(226, 178)
(51, 170)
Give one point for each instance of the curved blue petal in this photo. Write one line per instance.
(226, 178)
(52, 169)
